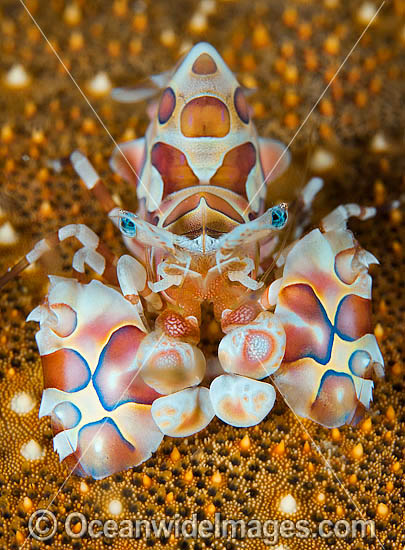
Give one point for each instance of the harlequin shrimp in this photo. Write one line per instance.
(121, 360)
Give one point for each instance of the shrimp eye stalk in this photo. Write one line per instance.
(127, 224)
(279, 216)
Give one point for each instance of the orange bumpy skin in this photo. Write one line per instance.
(114, 386)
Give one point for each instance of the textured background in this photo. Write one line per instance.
(288, 51)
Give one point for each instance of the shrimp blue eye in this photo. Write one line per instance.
(127, 226)
(279, 217)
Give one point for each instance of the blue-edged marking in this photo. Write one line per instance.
(60, 411)
(342, 335)
(332, 373)
(85, 364)
(99, 371)
(100, 470)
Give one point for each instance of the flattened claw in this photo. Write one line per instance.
(324, 302)
(169, 365)
(241, 401)
(99, 405)
(255, 349)
(183, 413)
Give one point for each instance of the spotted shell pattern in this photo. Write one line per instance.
(100, 408)
(110, 399)
(201, 156)
(325, 307)
(107, 419)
